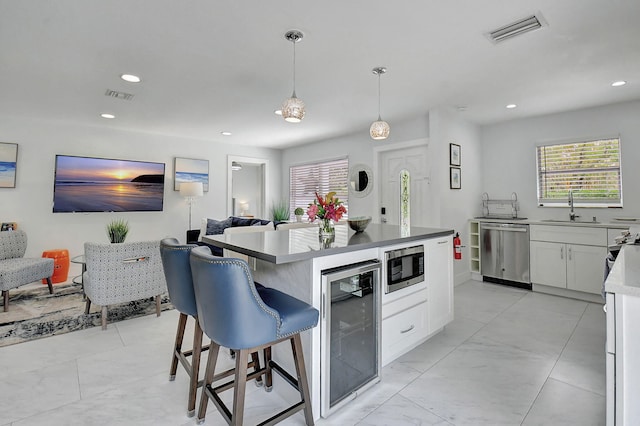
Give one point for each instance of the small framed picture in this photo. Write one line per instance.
(454, 154)
(190, 170)
(455, 178)
(8, 163)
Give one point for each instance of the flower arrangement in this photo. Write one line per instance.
(327, 208)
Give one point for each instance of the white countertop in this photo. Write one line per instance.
(624, 277)
(616, 224)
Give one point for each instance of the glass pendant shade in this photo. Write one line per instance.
(379, 129)
(293, 109)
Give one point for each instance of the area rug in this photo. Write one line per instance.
(34, 313)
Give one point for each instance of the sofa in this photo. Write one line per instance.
(210, 226)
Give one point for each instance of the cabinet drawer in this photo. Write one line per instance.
(569, 234)
(402, 331)
(400, 305)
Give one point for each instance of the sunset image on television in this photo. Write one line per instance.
(85, 184)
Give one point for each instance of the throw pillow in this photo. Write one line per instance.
(215, 227)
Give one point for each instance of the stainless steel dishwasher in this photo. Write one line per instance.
(505, 253)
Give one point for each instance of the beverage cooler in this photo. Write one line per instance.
(350, 329)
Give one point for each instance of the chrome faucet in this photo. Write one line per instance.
(572, 215)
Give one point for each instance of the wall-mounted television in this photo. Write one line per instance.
(87, 184)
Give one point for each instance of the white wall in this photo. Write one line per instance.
(508, 156)
(456, 206)
(30, 203)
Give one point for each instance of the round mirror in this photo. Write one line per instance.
(360, 180)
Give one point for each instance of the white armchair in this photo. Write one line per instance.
(17, 270)
(122, 272)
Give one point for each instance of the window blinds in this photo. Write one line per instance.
(307, 179)
(590, 169)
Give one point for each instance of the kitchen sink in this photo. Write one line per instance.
(569, 221)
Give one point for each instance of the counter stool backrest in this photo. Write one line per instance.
(177, 272)
(231, 312)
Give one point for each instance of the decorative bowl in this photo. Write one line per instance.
(359, 223)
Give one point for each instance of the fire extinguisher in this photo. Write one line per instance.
(457, 253)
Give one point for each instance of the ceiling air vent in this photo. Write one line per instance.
(521, 26)
(118, 95)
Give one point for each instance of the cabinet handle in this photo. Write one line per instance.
(561, 252)
(324, 307)
(569, 250)
(411, 327)
(443, 242)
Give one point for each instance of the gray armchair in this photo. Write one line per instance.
(122, 272)
(17, 270)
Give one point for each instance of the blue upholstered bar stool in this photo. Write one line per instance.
(234, 314)
(177, 271)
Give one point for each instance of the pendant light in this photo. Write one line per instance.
(293, 108)
(379, 129)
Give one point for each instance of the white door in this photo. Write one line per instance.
(391, 163)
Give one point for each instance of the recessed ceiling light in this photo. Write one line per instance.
(278, 112)
(618, 83)
(130, 78)
(225, 133)
(106, 115)
(511, 106)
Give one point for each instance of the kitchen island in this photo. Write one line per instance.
(293, 261)
(623, 341)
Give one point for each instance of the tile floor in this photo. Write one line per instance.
(511, 357)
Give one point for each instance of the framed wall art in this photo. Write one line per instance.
(191, 170)
(455, 177)
(454, 154)
(8, 164)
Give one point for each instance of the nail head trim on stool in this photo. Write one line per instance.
(234, 314)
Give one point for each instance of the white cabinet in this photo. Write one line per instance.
(585, 268)
(623, 367)
(411, 315)
(474, 246)
(568, 257)
(404, 324)
(439, 277)
(548, 263)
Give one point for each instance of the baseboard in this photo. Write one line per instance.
(572, 294)
(461, 277)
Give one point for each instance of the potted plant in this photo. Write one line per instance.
(117, 230)
(280, 211)
(298, 212)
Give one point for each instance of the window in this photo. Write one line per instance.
(591, 170)
(307, 179)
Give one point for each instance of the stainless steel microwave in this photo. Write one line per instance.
(405, 267)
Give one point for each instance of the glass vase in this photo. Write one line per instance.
(327, 229)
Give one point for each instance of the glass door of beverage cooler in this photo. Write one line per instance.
(350, 332)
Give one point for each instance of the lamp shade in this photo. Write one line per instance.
(379, 130)
(293, 110)
(191, 189)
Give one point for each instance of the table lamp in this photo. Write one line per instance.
(190, 191)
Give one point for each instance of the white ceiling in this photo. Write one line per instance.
(210, 66)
